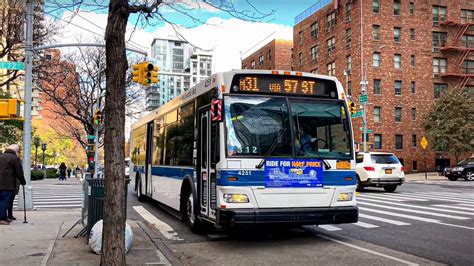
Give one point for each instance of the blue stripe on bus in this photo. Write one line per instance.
(256, 178)
(170, 172)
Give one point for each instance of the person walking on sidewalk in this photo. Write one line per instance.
(62, 171)
(69, 172)
(10, 171)
(10, 207)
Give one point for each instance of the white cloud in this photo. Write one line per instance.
(227, 37)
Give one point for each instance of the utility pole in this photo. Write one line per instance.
(97, 127)
(363, 84)
(28, 204)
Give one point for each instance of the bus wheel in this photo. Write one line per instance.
(141, 197)
(191, 218)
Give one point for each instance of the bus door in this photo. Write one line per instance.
(149, 151)
(207, 172)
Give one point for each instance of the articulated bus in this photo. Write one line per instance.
(250, 147)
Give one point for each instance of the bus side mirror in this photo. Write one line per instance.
(216, 110)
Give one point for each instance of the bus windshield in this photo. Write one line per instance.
(254, 122)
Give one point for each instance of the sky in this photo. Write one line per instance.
(230, 38)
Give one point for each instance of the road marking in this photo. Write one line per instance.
(465, 204)
(365, 225)
(390, 221)
(166, 230)
(455, 207)
(470, 199)
(328, 227)
(423, 207)
(458, 226)
(57, 206)
(367, 250)
(392, 198)
(416, 211)
(433, 198)
(428, 220)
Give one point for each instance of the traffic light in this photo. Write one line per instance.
(352, 107)
(9, 108)
(150, 73)
(98, 118)
(137, 73)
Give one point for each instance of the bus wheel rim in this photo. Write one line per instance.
(190, 209)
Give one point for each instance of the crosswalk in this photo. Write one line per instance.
(406, 208)
(55, 195)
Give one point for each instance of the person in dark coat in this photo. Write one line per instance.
(62, 171)
(10, 171)
(69, 172)
(10, 207)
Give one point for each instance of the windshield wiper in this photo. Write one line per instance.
(326, 164)
(272, 148)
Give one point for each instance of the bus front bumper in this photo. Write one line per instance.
(296, 216)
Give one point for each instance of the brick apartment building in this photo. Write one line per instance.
(412, 51)
(276, 54)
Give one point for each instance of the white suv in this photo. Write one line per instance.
(379, 169)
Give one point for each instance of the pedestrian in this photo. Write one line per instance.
(10, 170)
(10, 207)
(78, 171)
(62, 171)
(69, 172)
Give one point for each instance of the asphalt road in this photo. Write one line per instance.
(421, 223)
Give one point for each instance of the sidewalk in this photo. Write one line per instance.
(433, 176)
(40, 242)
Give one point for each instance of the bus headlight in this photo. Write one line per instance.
(345, 196)
(236, 198)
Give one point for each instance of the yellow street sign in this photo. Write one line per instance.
(424, 143)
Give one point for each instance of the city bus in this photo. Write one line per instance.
(250, 147)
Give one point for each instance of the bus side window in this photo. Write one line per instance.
(215, 143)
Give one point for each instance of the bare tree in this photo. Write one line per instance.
(145, 12)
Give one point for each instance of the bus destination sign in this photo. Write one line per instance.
(289, 85)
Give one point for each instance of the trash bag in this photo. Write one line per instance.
(95, 237)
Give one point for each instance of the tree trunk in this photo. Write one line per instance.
(113, 239)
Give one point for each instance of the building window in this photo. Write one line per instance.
(300, 59)
(253, 64)
(314, 30)
(439, 14)
(397, 61)
(413, 87)
(330, 21)
(349, 63)
(399, 142)
(412, 60)
(376, 6)
(314, 54)
(348, 38)
(439, 66)
(398, 114)
(348, 12)
(438, 89)
(439, 40)
(377, 86)
(415, 166)
(467, 16)
(260, 60)
(376, 59)
(332, 69)
(397, 34)
(398, 87)
(270, 54)
(300, 37)
(377, 114)
(377, 141)
(413, 141)
(349, 88)
(467, 41)
(412, 7)
(376, 32)
(413, 114)
(396, 7)
(412, 34)
(467, 67)
(331, 44)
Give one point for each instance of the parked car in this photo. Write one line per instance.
(464, 169)
(379, 169)
(127, 167)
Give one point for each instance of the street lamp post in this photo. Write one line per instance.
(37, 143)
(43, 147)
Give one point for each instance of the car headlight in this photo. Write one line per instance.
(345, 196)
(236, 198)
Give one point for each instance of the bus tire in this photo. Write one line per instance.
(141, 197)
(189, 213)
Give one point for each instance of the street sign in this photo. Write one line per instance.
(358, 114)
(90, 137)
(363, 98)
(12, 65)
(424, 143)
(368, 130)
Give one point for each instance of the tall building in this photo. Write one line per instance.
(181, 66)
(275, 54)
(406, 51)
